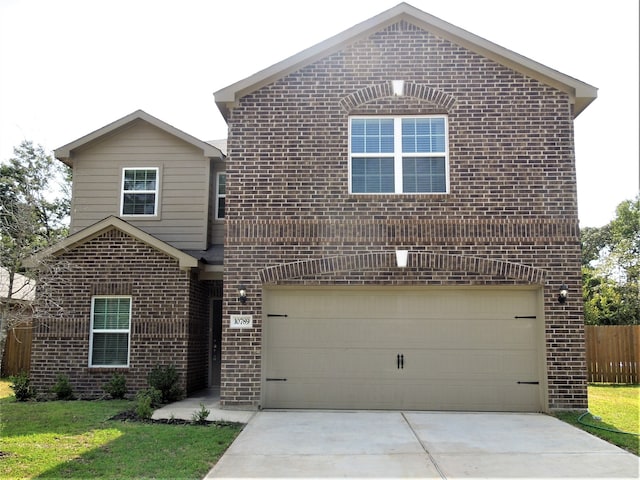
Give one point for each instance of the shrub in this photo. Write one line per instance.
(62, 388)
(165, 379)
(117, 386)
(21, 386)
(199, 417)
(146, 401)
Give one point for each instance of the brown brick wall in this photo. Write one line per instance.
(512, 190)
(165, 326)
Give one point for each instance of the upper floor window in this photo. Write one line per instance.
(140, 191)
(110, 327)
(398, 154)
(221, 195)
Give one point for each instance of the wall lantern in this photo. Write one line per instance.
(564, 292)
(401, 258)
(398, 87)
(243, 294)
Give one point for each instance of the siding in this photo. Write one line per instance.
(184, 183)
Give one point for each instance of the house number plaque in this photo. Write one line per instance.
(241, 321)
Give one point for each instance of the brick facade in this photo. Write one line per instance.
(510, 217)
(166, 326)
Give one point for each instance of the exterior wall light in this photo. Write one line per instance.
(401, 258)
(564, 293)
(398, 87)
(243, 294)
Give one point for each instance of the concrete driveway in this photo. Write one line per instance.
(329, 444)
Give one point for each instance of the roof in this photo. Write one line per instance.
(582, 94)
(185, 260)
(65, 153)
(23, 287)
(220, 144)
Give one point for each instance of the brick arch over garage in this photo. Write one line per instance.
(385, 89)
(387, 260)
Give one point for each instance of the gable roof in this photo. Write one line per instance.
(65, 153)
(582, 94)
(185, 261)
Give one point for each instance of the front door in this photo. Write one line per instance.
(215, 344)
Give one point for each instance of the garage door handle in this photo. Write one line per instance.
(400, 360)
(528, 383)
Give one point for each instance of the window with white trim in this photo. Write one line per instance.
(398, 154)
(110, 331)
(139, 191)
(221, 194)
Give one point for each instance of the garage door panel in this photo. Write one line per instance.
(462, 349)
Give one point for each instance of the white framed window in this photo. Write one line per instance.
(398, 154)
(221, 193)
(110, 337)
(140, 191)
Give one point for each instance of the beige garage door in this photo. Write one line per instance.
(396, 348)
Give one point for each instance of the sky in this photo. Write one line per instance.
(69, 67)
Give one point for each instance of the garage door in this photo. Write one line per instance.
(395, 348)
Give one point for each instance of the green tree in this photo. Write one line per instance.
(34, 212)
(611, 268)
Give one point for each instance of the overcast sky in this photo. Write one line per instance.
(69, 67)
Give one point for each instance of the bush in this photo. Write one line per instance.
(146, 401)
(62, 388)
(21, 386)
(165, 379)
(199, 417)
(116, 387)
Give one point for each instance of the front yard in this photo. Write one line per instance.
(77, 439)
(617, 407)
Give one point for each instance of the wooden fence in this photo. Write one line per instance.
(17, 351)
(613, 353)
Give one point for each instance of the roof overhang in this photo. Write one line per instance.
(65, 153)
(185, 261)
(581, 94)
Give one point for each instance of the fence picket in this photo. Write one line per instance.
(613, 353)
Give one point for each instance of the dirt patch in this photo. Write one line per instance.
(130, 416)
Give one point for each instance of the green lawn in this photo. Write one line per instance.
(77, 440)
(617, 408)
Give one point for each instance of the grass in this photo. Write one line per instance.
(77, 440)
(617, 408)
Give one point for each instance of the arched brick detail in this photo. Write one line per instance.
(385, 89)
(387, 260)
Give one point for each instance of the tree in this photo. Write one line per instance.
(34, 212)
(611, 268)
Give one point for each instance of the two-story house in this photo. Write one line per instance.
(400, 232)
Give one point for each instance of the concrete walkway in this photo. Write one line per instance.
(348, 444)
(184, 409)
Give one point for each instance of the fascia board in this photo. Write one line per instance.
(185, 261)
(582, 94)
(65, 153)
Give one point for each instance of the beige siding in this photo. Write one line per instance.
(184, 183)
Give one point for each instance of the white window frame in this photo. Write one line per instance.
(220, 195)
(93, 331)
(156, 192)
(398, 155)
